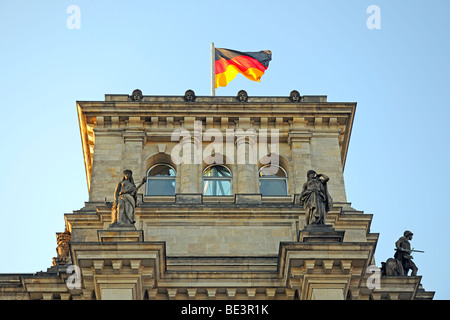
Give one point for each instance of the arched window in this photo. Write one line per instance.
(161, 180)
(217, 181)
(273, 181)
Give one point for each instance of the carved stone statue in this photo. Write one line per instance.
(125, 200)
(189, 96)
(392, 267)
(403, 253)
(402, 261)
(62, 249)
(242, 96)
(294, 96)
(315, 198)
(136, 95)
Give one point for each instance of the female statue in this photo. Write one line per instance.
(315, 198)
(125, 199)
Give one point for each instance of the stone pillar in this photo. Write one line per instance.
(190, 167)
(132, 153)
(326, 159)
(247, 167)
(300, 142)
(106, 165)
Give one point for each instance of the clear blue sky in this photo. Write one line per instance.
(398, 161)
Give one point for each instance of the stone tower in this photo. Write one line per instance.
(218, 215)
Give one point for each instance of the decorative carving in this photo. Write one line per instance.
(136, 95)
(295, 96)
(315, 198)
(392, 267)
(242, 96)
(189, 96)
(125, 201)
(62, 249)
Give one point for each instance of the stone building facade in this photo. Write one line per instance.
(209, 223)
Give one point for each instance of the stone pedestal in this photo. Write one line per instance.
(116, 233)
(320, 233)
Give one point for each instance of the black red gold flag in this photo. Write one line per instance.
(228, 63)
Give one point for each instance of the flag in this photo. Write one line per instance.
(228, 63)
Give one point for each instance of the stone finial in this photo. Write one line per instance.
(242, 96)
(294, 96)
(189, 96)
(136, 95)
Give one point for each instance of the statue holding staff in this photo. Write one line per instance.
(315, 198)
(125, 200)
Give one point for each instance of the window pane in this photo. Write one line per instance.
(161, 170)
(219, 187)
(217, 171)
(161, 187)
(273, 187)
(272, 171)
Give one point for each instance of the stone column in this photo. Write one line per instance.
(300, 142)
(190, 167)
(247, 163)
(327, 159)
(106, 165)
(132, 153)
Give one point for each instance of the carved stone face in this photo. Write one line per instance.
(310, 175)
(242, 96)
(189, 96)
(408, 235)
(137, 95)
(294, 96)
(127, 174)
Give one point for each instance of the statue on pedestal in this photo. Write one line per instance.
(402, 261)
(62, 249)
(315, 198)
(125, 200)
(403, 253)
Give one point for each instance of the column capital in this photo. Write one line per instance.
(299, 136)
(134, 136)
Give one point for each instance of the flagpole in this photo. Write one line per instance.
(213, 73)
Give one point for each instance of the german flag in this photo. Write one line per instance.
(228, 63)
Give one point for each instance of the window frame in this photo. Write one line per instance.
(274, 177)
(212, 178)
(160, 178)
